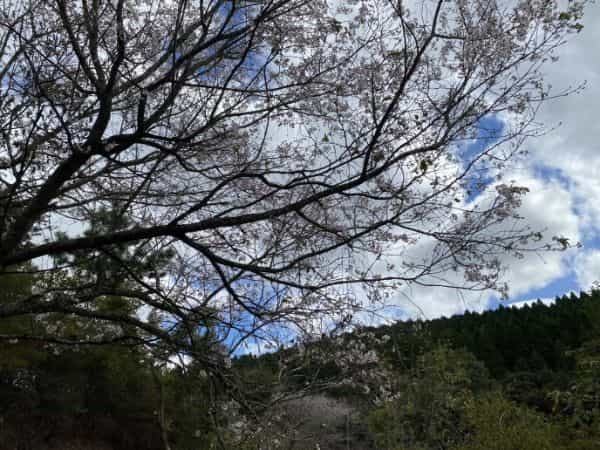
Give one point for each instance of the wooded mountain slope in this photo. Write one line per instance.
(504, 379)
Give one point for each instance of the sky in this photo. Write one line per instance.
(562, 171)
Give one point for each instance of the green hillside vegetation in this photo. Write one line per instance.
(526, 378)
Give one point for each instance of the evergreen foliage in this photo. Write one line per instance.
(512, 378)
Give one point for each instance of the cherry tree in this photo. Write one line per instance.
(229, 167)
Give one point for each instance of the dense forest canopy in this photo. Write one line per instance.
(500, 379)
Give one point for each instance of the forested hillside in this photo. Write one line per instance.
(526, 378)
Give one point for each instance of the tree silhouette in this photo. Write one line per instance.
(276, 150)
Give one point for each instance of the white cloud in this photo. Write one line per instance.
(565, 205)
(427, 303)
(587, 269)
(563, 201)
(563, 198)
(574, 147)
(548, 207)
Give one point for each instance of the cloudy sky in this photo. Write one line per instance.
(562, 172)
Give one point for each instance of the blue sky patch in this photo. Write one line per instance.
(489, 131)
